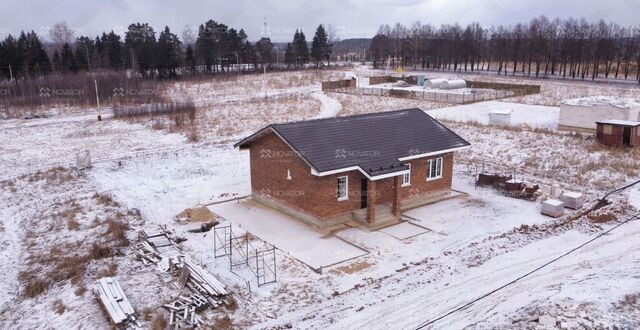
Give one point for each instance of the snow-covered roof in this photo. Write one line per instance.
(553, 202)
(619, 102)
(619, 122)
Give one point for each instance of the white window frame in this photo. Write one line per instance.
(406, 178)
(346, 188)
(289, 174)
(437, 169)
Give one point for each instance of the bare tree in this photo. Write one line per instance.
(189, 34)
(60, 33)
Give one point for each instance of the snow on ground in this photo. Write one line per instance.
(164, 184)
(287, 234)
(25, 142)
(330, 106)
(474, 243)
(521, 114)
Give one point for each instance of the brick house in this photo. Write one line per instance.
(366, 168)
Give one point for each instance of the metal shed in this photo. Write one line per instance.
(618, 133)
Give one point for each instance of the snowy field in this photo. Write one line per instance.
(447, 253)
(521, 114)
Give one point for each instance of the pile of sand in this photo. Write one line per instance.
(195, 214)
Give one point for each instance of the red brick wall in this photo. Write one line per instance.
(271, 157)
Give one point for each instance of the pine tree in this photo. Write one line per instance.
(289, 55)
(320, 49)
(300, 49)
(264, 50)
(190, 60)
(67, 60)
(168, 53)
(112, 50)
(140, 40)
(57, 64)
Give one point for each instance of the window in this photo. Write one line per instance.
(434, 168)
(288, 174)
(607, 129)
(406, 178)
(343, 188)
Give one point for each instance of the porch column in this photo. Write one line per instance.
(395, 207)
(371, 201)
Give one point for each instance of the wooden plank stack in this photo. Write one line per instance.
(200, 281)
(115, 302)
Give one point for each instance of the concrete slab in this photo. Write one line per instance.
(404, 230)
(314, 248)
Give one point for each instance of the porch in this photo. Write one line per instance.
(377, 211)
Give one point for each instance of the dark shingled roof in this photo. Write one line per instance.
(374, 142)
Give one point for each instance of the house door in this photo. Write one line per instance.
(626, 136)
(363, 193)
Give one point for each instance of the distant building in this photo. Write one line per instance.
(583, 113)
(365, 168)
(618, 133)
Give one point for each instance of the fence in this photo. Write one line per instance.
(337, 84)
(434, 96)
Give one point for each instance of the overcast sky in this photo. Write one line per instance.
(352, 18)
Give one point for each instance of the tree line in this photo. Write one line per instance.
(566, 48)
(213, 48)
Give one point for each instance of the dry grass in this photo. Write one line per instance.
(223, 323)
(59, 307)
(159, 323)
(34, 287)
(73, 224)
(117, 230)
(358, 104)
(110, 271)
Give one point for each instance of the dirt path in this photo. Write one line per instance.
(330, 106)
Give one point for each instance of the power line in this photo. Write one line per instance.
(634, 217)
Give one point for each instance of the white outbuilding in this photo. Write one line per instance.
(583, 113)
(500, 117)
(453, 84)
(433, 83)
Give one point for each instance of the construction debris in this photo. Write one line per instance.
(157, 247)
(509, 186)
(205, 227)
(183, 310)
(200, 281)
(116, 303)
(553, 208)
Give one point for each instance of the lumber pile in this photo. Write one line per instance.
(157, 247)
(200, 281)
(116, 303)
(183, 310)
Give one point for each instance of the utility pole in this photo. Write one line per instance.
(10, 73)
(95, 83)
